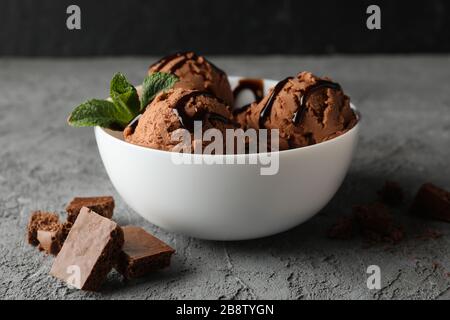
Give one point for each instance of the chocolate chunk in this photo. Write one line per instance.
(40, 220)
(375, 217)
(64, 231)
(103, 206)
(376, 223)
(49, 241)
(432, 202)
(391, 193)
(343, 229)
(89, 252)
(142, 253)
(46, 232)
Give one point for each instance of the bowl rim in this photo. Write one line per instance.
(105, 132)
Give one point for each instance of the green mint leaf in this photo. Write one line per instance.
(101, 113)
(153, 84)
(124, 94)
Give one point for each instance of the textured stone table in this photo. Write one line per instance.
(405, 136)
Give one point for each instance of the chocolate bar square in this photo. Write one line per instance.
(103, 206)
(142, 253)
(89, 252)
(432, 202)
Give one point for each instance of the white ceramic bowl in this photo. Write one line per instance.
(226, 202)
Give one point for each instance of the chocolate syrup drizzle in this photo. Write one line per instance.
(185, 57)
(301, 108)
(256, 86)
(188, 122)
(265, 111)
(320, 84)
(165, 60)
(241, 109)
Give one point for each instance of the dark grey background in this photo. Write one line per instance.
(404, 136)
(138, 27)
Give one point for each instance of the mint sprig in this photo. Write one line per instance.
(153, 84)
(124, 93)
(101, 113)
(125, 104)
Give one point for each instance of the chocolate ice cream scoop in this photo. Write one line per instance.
(178, 109)
(306, 109)
(195, 73)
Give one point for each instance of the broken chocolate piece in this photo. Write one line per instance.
(41, 220)
(52, 241)
(49, 241)
(432, 202)
(64, 231)
(376, 223)
(89, 252)
(142, 253)
(103, 206)
(391, 193)
(46, 232)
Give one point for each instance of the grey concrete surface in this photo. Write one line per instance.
(405, 136)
